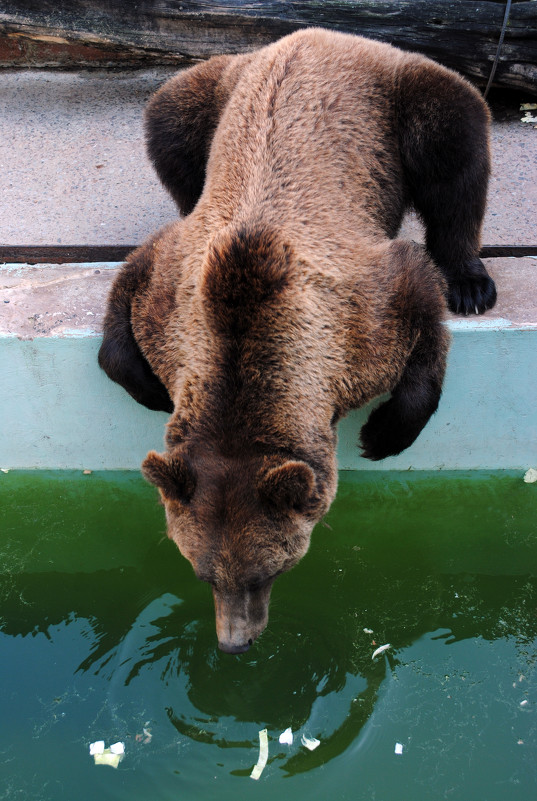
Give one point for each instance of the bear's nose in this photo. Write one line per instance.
(233, 648)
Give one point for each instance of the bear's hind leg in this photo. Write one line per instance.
(180, 121)
(443, 135)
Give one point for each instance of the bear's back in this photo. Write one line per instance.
(313, 118)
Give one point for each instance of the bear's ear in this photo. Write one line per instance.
(289, 486)
(173, 474)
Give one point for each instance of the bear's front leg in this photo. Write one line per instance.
(120, 355)
(417, 307)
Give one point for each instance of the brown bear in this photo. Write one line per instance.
(282, 299)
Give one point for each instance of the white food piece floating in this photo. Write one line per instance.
(107, 756)
(530, 476)
(286, 737)
(398, 748)
(263, 755)
(381, 650)
(310, 743)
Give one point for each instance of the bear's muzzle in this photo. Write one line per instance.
(241, 616)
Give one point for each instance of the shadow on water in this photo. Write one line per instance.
(402, 557)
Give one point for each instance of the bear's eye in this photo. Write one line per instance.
(256, 584)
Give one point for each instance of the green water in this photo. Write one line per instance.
(104, 631)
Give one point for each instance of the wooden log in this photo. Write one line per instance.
(78, 254)
(462, 34)
(62, 254)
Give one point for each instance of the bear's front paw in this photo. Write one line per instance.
(386, 433)
(473, 292)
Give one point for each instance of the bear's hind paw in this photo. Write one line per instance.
(472, 293)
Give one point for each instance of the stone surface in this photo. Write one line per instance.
(70, 299)
(516, 280)
(72, 161)
(53, 299)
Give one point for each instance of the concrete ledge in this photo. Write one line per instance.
(58, 410)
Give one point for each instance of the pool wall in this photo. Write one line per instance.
(58, 410)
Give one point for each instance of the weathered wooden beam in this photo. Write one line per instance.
(62, 254)
(78, 254)
(462, 34)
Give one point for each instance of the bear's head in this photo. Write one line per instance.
(240, 522)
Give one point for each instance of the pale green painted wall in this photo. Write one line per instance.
(58, 410)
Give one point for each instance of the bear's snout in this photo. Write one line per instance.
(240, 617)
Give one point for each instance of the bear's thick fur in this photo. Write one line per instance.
(282, 299)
